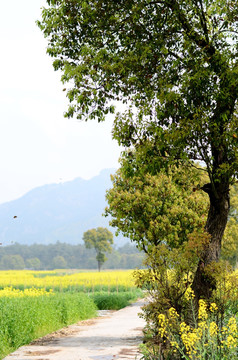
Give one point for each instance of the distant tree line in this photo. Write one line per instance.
(65, 256)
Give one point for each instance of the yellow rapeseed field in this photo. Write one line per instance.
(10, 292)
(34, 303)
(59, 279)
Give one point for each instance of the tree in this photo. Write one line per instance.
(12, 262)
(174, 62)
(59, 262)
(165, 216)
(100, 239)
(155, 209)
(33, 263)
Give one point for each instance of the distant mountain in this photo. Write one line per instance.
(56, 212)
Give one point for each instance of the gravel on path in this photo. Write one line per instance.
(116, 335)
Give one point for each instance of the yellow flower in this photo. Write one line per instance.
(189, 294)
(87, 280)
(232, 326)
(163, 323)
(202, 325)
(184, 328)
(189, 340)
(230, 342)
(11, 292)
(173, 314)
(161, 318)
(202, 310)
(213, 329)
(174, 344)
(213, 307)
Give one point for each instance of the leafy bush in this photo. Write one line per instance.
(209, 334)
(114, 301)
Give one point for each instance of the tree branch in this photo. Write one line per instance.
(189, 30)
(203, 20)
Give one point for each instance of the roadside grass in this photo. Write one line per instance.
(29, 310)
(115, 301)
(23, 319)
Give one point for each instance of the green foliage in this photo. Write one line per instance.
(164, 214)
(12, 262)
(39, 257)
(169, 273)
(25, 319)
(99, 239)
(33, 263)
(116, 300)
(151, 210)
(230, 239)
(174, 63)
(59, 262)
(209, 336)
(174, 60)
(176, 327)
(230, 242)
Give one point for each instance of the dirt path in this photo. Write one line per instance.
(114, 336)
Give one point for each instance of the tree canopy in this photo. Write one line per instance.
(99, 239)
(155, 209)
(175, 64)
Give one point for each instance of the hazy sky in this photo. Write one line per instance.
(37, 144)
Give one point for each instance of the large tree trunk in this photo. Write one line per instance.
(204, 282)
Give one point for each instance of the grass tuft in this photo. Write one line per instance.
(114, 301)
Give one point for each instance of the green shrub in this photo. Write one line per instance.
(114, 301)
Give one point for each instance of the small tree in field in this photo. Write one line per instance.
(101, 240)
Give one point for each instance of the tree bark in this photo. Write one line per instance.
(204, 282)
(99, 266)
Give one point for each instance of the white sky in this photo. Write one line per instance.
(37, 144)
